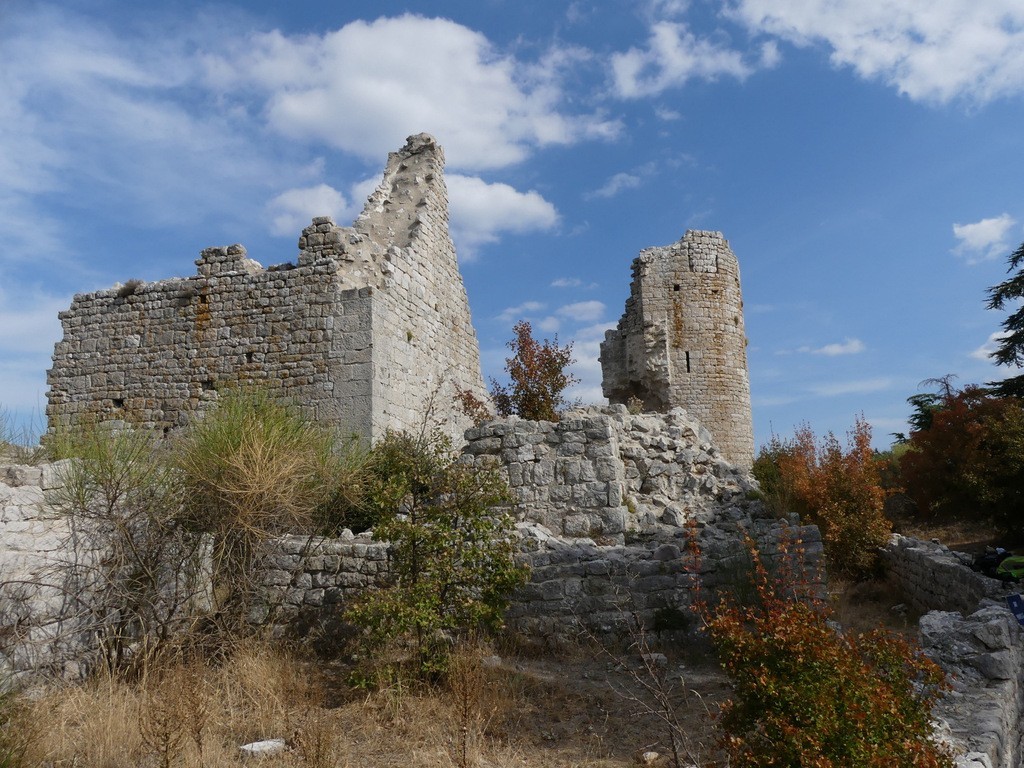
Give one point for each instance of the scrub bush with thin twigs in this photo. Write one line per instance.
(132, 566)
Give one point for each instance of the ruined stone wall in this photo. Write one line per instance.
(681, 341)
(971, 633)
(605, 473)
(34, 540)
(155, 355)
(367, 326)
(425, 346)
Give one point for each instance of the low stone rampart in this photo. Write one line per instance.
(577, 588)
(932, 577)
(979, 643)
(34, 631)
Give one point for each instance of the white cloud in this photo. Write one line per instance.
(984, 352)
(29, 323)
(586, 394)
(623, 181)
(773, 401)
(29, 327)
(930, 51)
(566, 282)
(366, 86)
(121, 121)
(983, 240)
(616, 184)
(520, 311)
(582, 311)
(857, 387)
(847, 347)
(586, 349)
(673, 56)
(549, 324)
(666, 114)
(481, 211)
(292, 210)
(665, 9)
(571, 282)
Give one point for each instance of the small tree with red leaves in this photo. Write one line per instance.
(807, 694)
(538, 377)
(838, 490)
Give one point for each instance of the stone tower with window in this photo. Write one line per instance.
(681, 341)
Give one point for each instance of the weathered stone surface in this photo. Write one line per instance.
(681, 341)
(971, 633)
(368, 328)
(607, 474)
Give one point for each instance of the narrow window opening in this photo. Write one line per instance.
(208, 385)
(687, 362)
(248, 357)
(676, 287)
(118, 402)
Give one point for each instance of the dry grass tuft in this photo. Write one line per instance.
(546, 713)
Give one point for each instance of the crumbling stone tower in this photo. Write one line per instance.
(681, 342)
(368, 329)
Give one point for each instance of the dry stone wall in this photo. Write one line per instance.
(607, 474)
(369, 328)
(606, 502)
(971, 633)
(681, 341)
(637, 485)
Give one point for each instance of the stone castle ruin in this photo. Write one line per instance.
(681, 341)
(368, 329)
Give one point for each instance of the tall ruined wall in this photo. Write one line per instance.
(156, 355)
(425, 347)
(369, 324)
(681, 341)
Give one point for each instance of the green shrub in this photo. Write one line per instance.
(451, 558)
(806, 694)
(252, 468)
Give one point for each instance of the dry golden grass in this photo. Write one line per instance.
(545, 713)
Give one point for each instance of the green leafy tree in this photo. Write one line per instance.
(538, 376)
(1010, 350)
(451, 561)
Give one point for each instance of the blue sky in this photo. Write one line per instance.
(864, 158)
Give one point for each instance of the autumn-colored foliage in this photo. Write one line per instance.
(966, 461)
(806, 694)
(538, 377)
(838, 490)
